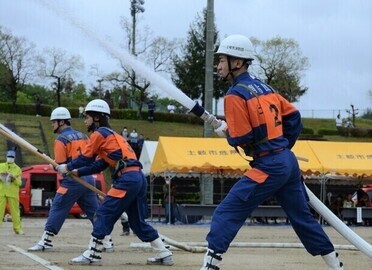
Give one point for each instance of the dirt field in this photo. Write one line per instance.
(74, 236)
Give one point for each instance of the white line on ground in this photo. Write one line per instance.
(43, 262)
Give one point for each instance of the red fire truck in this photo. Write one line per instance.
(39, 185)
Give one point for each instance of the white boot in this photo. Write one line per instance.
(125, 224)
(45, 243)
(108, 244)
(164, 256)
(212, 260)
(332, 261)
(92, 255)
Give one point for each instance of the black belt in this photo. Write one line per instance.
(129, 169)
(265, 153)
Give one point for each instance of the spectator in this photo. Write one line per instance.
(348, 203)
(150, 110)
(141, 141)
(10, 181)
(338, 121)
(124, 133)
(363, 201)
(38, 106)
(171, 108)
(348, 123)
(337, 205)
(123, 104)
(48, 202)
(133, 140)
(348, 126)
(81, 111)
(169, 203)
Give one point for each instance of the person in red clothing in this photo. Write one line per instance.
(265, 126)
(107, 148)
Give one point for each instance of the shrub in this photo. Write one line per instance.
(329, 132)
(359, 132)
(307, 131)
(343, 131)
(46, 110)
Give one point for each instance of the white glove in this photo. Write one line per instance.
(220, 131)
(3, 176)
(62, 168)
(9, 178)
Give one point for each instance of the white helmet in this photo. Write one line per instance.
(237, 46)
(60, 113)
(98, 105)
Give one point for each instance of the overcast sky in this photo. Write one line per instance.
(336, 35)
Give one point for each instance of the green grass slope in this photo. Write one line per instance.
(28, 128)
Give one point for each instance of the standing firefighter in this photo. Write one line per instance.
(265, 126)
(10, 181)
(67, 147)
(128, 191)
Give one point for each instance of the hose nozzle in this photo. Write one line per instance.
(206, 116)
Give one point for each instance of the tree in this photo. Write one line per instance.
(56, 64)
(189, 67)
(368, 112)
(280, 63)
(29, 92)
(353, 113)
(155, 52)
(16, 64)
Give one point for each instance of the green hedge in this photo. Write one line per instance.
(355, 132)
(46, 110)
(307, 131)
(328, 132)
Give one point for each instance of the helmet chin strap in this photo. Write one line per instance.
(56, 130)
(94, 125)
(231, 70)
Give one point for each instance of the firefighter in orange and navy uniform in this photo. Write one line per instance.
(68, 146)
(129, 187)
(265, 126)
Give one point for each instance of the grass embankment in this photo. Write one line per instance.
(27, 127)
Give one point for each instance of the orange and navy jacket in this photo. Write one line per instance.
(105, 148)
(69, 145)
(259, 119)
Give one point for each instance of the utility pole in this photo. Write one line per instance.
(100, 87)
(208, 96)
(135, 7)
(206, 180)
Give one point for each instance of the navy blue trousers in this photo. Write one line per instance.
(284, 182)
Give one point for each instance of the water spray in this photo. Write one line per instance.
(138, 66)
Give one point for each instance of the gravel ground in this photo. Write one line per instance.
(74, 236)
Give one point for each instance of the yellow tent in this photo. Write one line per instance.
(197, 155)
(215, 156)
(302, 149)
(344, 158)
(187, 156)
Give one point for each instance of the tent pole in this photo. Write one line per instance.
(169, 202)
(151, 196)
(323, 190)
(168, 181)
